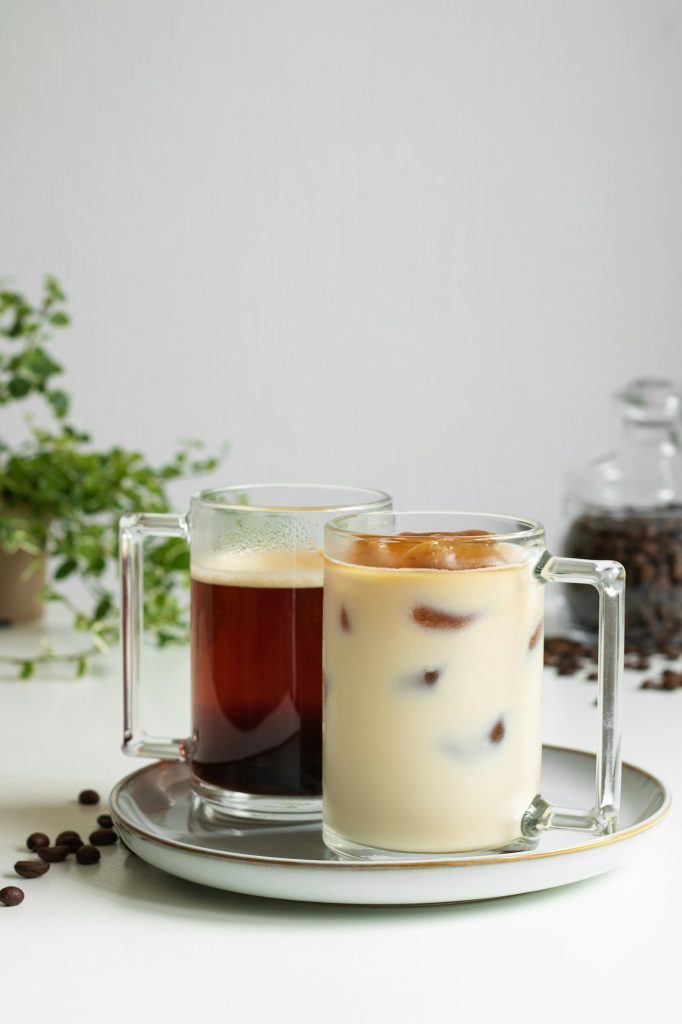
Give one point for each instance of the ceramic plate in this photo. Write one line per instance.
(157, 818)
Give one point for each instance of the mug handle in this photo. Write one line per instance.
(132, 533)
(609, 580)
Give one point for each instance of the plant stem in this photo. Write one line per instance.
(47, 657)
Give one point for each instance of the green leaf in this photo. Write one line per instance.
(164, 638)
(60, 402)
(15, 331)
(60, 319)
(40, 364)
(53, 288)
(27, 670)
(81, 667)
(18, 387)
(66, 568)
(103, 607)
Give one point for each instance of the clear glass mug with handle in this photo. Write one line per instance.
(433, 659)
(256, 643)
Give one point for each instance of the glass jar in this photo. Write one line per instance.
(627, 506)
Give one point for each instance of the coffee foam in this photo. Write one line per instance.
(278, 568)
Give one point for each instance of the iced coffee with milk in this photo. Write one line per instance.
(432, 685)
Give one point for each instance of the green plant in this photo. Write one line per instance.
(61, 498)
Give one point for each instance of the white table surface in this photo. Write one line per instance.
(122, 940)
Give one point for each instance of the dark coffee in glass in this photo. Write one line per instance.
(257, 568)
(257, 681)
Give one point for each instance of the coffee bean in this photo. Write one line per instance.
(668, 680)
(53, 854)
(431, 676)
(88, 855)
(671, 680)
(11, 895)
(104, 821)
(70, 839)
(103, 837)
(88, 796)
(35, 840)
(31, 868)
(593, 677)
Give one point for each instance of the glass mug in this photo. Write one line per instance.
(256, 643)
(433, 659)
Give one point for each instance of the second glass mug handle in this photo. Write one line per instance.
(133, 532)
(609, 580)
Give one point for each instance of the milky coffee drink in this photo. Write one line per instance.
(433, 672)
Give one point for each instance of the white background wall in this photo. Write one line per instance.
(414, 245)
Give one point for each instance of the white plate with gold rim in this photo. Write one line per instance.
(157, 819)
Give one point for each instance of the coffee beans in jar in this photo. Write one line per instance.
(649, 545)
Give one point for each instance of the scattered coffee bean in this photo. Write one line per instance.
(53, 854)
(88, 796)
(103, 837)
(569, 657)
(671, 680)
(87, 855)
(104, 821)
(345, 621)
(11, 895)
(431, 676)
(31, 868)
(70, 839)
(35, 840)
(668, 680)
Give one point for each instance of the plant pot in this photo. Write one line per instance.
(21, 582)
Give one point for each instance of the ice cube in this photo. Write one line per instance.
(437, 618)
